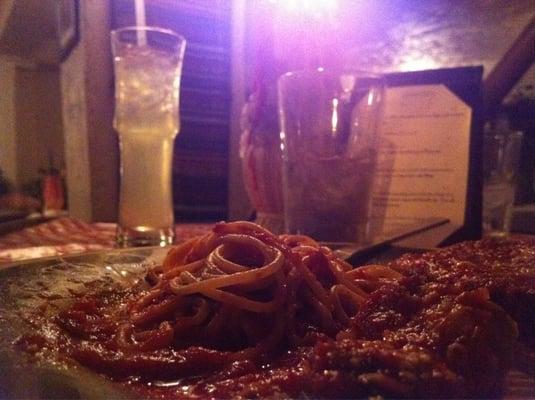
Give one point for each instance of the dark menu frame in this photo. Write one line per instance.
(466, 83)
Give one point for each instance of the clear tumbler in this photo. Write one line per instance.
(329, 135)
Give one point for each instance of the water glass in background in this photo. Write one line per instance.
(501, 155)
(148, 64)
(329, 122)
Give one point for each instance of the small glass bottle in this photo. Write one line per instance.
(262, 158)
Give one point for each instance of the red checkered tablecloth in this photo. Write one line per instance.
(68, 236)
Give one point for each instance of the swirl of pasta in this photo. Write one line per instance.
(219, 285)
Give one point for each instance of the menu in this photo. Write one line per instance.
(423, 158)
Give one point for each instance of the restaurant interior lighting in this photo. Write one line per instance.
(417, 62)
(315, 8)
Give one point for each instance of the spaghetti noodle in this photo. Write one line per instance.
(242, 283)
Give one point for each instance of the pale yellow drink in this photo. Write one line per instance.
(147, 120)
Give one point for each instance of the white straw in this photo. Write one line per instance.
(141, 21)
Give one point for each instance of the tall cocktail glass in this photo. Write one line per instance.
(147, 64)
(329, 124)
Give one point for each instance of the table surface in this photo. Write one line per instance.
(69, 236)
(66, 235)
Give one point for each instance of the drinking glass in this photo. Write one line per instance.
(501, 156)
(147, 64)
(329, 135)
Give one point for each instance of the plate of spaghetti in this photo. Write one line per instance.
(243, 313)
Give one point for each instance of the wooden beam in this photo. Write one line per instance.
(91, 145)
(8, 134)
(517, 60)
